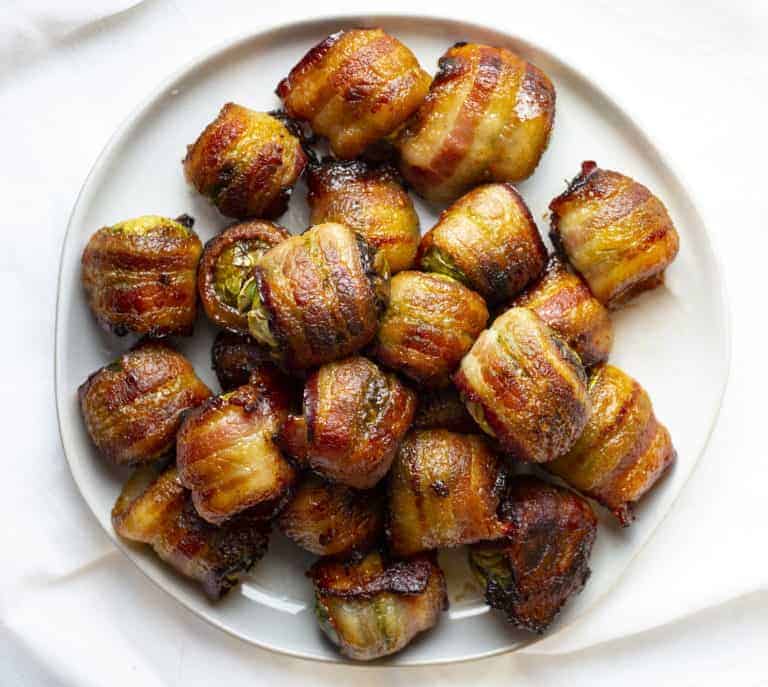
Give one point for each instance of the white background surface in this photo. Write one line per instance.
(693, 610)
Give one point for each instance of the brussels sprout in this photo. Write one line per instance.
(372, 607)
(435, 260)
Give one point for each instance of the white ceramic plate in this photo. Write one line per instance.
(673, 340)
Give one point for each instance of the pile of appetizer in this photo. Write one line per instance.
(380, 389)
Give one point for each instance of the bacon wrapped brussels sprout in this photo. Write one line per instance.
(245, 163)
(139, 275)
(624, 449)
(543, 560)
(355, 87)
(488, 117)
(133, 407)
(488, 241)
(318, 296)
(330, 519)
(615, 232)
(444, 491)
(370, 201)
(565, 303)
(526, 387)
(430, 323)
(225, 278)
(154, 508)
(354, 417)
(374, 607)
(226, 454)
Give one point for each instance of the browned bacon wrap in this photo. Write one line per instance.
(444, 490)
(543, 560)
(318, 296)
(487, 240)
(429, 324)
(133, 407)
(330, 519)
(565, 303)
(139, 275)
(487, 117)
(155, 509)
(235, 357)
(370, 201)
(354, 418)
(525, 386)
(355, 87)
(624, 449)
(615, 232)
(245, 163)
(374, 607)
(226, 454)
(443, 409)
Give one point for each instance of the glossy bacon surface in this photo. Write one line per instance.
(565, 303)
(133, 407)
(374, 607)
(355, 416)
(526, 387)
(444, 490)
(139, 276)
(355, 87)
(543, 560)
(430, 323)
(444, 409)
(155, 509)
(225, 277)
(245, 163)
(318, 296)
(488, 117)
(615, 232)
(226, 454)
(370, 201)
(488, 241)
(624, 449)
(330, 519)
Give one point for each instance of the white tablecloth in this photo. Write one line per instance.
(693, 610)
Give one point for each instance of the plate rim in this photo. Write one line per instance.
(238, 41)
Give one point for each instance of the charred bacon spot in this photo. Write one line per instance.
(617, 235)
(154, 508)
(139, 276)
(623, 451)
(374, 607)
(443, 492)
(355, 87)
(237, 357)
(133, 407)
(186, 220)
(525, 387)
(543, 560)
